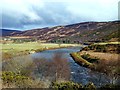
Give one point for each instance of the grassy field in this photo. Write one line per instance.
(103, 43)
(11, 50)
(32, 46)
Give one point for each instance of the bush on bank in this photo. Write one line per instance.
(76, 86)
(109, 48)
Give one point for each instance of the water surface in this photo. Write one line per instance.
(79, 74)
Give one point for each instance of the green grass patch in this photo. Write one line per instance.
(12, 50)
(31, 46)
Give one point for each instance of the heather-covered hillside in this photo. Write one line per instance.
(81, 32)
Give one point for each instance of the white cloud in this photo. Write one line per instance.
(100, 10)
(21, 7)
(61, 12)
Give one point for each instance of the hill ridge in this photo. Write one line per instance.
(85, 31)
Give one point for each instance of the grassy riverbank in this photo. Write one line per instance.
(103, 58)
(12, 50)
(101, 51)
(81, 61)
(104, 47)
(20, 71)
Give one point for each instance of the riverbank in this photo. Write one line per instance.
(98, 56)
(9, 51)
(106, 51)
(25, 66)
(28, 64)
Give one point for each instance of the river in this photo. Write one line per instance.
(78, 73)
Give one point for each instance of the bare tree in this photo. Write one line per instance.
(62, 71)
(56, 69)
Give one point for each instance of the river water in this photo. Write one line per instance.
(78, 73)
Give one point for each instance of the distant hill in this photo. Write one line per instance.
(82, 32)
(6, 32)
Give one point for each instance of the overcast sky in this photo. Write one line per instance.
(29, 14)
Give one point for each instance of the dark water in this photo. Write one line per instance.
(78, 74)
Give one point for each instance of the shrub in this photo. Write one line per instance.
(66, 86)
(89, 58)
(111, 48)
(6, 56)
(76, 86)
(86, 48)
(100, 48)
(18, 66)
(112, 86)
(72, 86)
(90, 86)
(10, 77)
(58, 68)
(110, 68)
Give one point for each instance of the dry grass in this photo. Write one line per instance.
(108, 64)
(9, 51)
(103, 43)
(105, 56)
(31, 46)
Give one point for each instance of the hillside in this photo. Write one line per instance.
(6, 32)
(81, 32)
